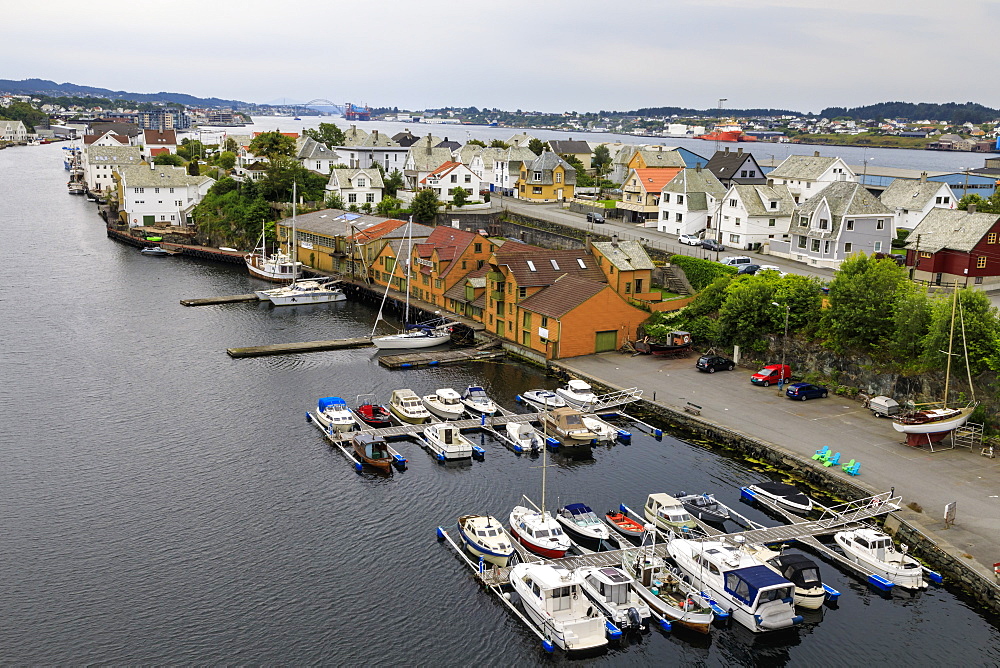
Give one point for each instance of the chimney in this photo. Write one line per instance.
(375, 134)
(739, 151)
(614, 240)
(354, 128)
(815, 154)
(972, 208)
(770, 183)
(428, 143)
(923, 177)
(587, 241)
(727, 150)
(697, 166)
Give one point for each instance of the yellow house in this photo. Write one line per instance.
(548, 178)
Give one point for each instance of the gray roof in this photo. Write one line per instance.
(310, 149)
(346, 178)
(159, 176)
(951, 228)
(545, 163)
(696, 182)
(517, 154)
(468, 152)
(624, 255)
(354, 136)
(802, 167)
(660, 156)
(907, 194)
(569, 146)
(845, 198)
(113, 155)
(520, 139)
(377, 139)
(427, 161)
(756, 200)
(449, 144)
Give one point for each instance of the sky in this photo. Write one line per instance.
(543, 55)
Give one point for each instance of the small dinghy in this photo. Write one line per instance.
(625, 525)
(445, 403)
(524, 436)
(786, 496)
(333, 414)
(543, 399)
(371, 412)
(876, 551)
(601, 429)
(484, 536)
(156, 251)
(668, 513)
(583, 525)
(704, 507)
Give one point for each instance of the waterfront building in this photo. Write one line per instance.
(627, 268)
(13, 131)
(101, 163)
(690, 202)
(807, 175)
(444, 260)
(547, 178)
(736, 167)
(449, 176)
(356, 186)
(950, 245)
(912, 200)
(752, 216)
(164, 119)
(159, 194)
(641, 192)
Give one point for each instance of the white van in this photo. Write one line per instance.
(737, 261)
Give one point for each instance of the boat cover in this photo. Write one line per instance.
(579, 509)
(785, 491)
(798, 568)
(745, 583)
(326, 402)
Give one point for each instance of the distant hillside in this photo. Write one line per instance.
(952, 112)
(51, 88)
(704, 113)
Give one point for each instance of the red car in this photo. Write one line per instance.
(772, 373)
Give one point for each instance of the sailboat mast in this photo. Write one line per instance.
(294, 242)
(951, 341)
(409, 254)
(545, 447)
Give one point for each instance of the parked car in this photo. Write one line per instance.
(803, 391)
(689, 239)
(771, 267)
(750, 269)
(713, 363)
(736, 261)
(594, 217)
(772, 373)
(712, 245)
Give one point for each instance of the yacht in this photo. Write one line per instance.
(551, 597)
(539, 532)
(668, 513)
(583, 525)
(477, 402)
(302, 292)
(875, 550)
(445, 404)
(577, 394)
(799, 569)
(484, 536)
(333, 414)
(406, 406)
(446, 441)
(614, 592)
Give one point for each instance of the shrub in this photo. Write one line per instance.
(700, 272)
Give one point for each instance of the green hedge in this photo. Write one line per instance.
(700, 272)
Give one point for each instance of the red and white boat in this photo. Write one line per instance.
(539, 532)
(371, 412)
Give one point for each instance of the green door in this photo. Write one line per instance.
(500, 327)
(607, 341)
(148, 220)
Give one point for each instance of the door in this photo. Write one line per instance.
(606, 341)
(148, 220)
(500, 327)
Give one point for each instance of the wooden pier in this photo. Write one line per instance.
(438, 357)
(301, 347)
(231, 299)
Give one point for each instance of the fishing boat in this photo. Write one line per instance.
(786, 496)
(551, 598)
(447, 441)
(704, 507)
(577, 394)
(372, 450)
(543, 399)
(667, 513)
(799, 569)
(279, 267)
(372, 413)
(756, 596)
(664, 590)
(614, 592)
(626, 526)
(484, 536)
(477, 402)
(875, 550)
(445, 403)
(524, 436)
(333, 414)
(406, 406)
(583, 525)
(303, 292)
(566, 424)
(155, 251)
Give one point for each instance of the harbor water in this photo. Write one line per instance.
(163, 503)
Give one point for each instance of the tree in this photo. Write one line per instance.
(226, 160)
(499, 143)
(327, 133)
(334, 201)
(748, 312)
(476, 142)
(193, 168)
(24, 112)
(169, 159)
(388, 207)
(601, 160)
(272, 144)
(190, 149)
(863, 298)
(230, 145)
(537, 146)
(393, 183)
(803, 295)
(459, 197)
(913, 316)
(425, 205)
(978, 317)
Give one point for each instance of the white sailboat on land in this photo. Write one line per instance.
(413, 336)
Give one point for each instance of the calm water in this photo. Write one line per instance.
(162, 503)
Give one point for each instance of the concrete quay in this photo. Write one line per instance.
(761, 422)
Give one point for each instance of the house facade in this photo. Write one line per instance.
(807, 175)
(641, 192)
(912, 200)
(690, 201)
(736, 167)
(152, 143)
(422, 158)
(449, 176)
(508, 166)
(13, 131)
(100, 164)
(159, 194)
(950, 246)
(754, 215)
(445, 259)
(356, 186)
(316, 156)
(363, 149)
(547, 178)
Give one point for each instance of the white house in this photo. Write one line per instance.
(160, 194)
(109, 138)
(753, 215)
(422, 158)
(507, 168)
(912, 200)
(449, 176)
(806, 175)
(364, 150)
(356, 186)
(152, 143)
(100, 163)
(690, 202)
(317, 156)
(484, 164)
(13, 131)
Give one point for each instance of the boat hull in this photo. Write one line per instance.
(269, 270)
(934, 427)
(325, 297)
(626, 527)
(409, 419)
(440, 411)
(488, 553)
(406, 341)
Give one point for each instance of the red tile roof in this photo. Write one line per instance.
(567, 293)
(653, 179)
(158, 151)
(548, 264)
(293, 135)
(377, 230)
(442, 170)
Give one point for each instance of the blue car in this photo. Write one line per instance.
(803, 391)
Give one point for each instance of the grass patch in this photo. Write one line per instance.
(664, 293)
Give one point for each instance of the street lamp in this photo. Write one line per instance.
(781, 374)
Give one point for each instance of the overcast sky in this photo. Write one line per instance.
(554, 55)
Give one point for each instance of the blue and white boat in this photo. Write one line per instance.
(477, 402)
(543, 399)
(583, 525)
(334, 414)
(485, 536)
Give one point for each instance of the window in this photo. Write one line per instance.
(815, 246)
(979, 280)
(824, 224)
(319, 165)
(879, 224)
(628, 287)
(981, 262)
(680, 199)
(558, 177)
(737, 222)
(463, 264)
(743, 173)
(526, 319)
(732, 202)
(826, 248)
(878, 246)
(536, 176)
(753, 173)
(945, 200)
(925, 254)
(991, 238)
(774, 204)
(171, 191)
(526, 339)
(361, 183)
(555, 265)
(848, 247)
(734, 238)
(522, 292)
(770, 222)
(579, 261)
(536, 190)
(849, 224)
(478, 247)
(139, 191)
(370, 197)
(352, 197)
(803, 221)
(545, 321)
(666, 198)
(468, 178)
(454, 178)
(678, 217)
(156, 191)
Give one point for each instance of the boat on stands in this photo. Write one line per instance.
(369, 411)
(524, 436)
(583, 525)
(664, 590)
(614, 592)
(785, 496)
(669, 514)
(543, 399)
(445, 403)
(334, 415)
(799, 569)
(566, 424)
(477, 402)
(626, 526)
(447, 441)
(876, 551)
(677, 344)
(484, 536)
(577, 394)
(551, 598)
(406, 406)
(279, 267)
(539, 532)
(756, 596)
(303, 292)
(373, 450)
(704, 507)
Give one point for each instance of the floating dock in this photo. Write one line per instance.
(231, 299)
(436, 358)
(301, 347)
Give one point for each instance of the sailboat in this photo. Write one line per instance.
(277, 268)
(414, 336)
(933, 424)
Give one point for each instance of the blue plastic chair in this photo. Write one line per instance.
(853, 470)
(832, 461)
(822, 453)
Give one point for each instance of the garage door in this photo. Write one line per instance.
(606, 341)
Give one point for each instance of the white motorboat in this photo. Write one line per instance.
(525, 436)
(551, 597)
(875, 550)
(447, 441)
(485, 537)
(601, 429)
(799, 569)
(445, 403)
(156, 251)
(539, 532)
(477, 402)
(278, 267)
(757, 597)
(613, 591)
(786, 496)
(543, 399)
(667, 513)
(333, 414)
(704, 507)
(665, 592)
(566, 424)
(577, 394)
(583, 525)
(302, 292)
(406, 406)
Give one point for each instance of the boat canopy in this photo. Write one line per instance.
(327, 402)
(745, 583)
(579, 509)
(798, 568)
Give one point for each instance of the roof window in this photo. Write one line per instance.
(555, 265)
(580, 262)
(531, 266)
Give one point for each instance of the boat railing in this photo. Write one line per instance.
(860, 509)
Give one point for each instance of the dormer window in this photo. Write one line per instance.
(774, 204)
(824, 223)
(536, 176)
(361, 183)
